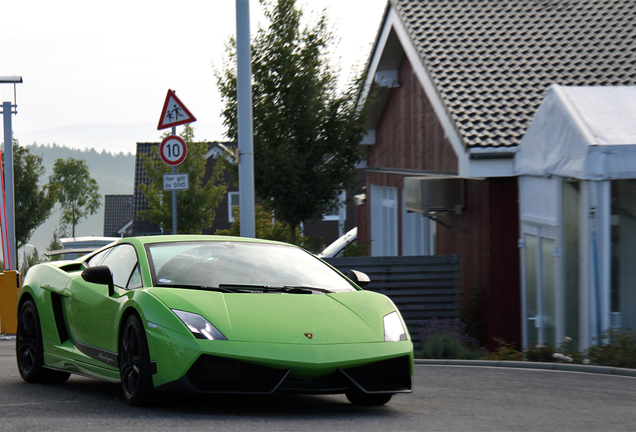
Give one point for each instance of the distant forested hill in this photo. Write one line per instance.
(114, 174)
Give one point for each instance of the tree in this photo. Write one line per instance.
(55, 243)
(32, 258)
(306, 134)
(195, 206)
(33, 202)
(75, 190)
(266, 226)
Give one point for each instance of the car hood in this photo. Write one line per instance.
(348, 317)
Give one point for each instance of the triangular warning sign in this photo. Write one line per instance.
(174, 112)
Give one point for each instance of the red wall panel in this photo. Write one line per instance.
(409, 134)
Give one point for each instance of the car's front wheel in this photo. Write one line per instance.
(30, 351)
(369, 399)
(134, 363)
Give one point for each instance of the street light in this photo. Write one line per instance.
(244, 119)
(15, 79)
(7, 205)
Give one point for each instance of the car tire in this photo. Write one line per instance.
(368, 399)
(29, 349)
(134, 363)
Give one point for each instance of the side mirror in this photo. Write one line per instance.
(100, 275)
(358, 277)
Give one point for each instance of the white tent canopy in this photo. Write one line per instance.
(587, 133)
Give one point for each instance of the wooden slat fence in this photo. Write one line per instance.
(422, 287)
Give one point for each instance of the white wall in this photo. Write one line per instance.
(539, 200)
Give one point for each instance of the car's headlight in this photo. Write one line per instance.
(393, 329)
(199, 326)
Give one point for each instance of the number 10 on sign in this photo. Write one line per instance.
(173, 150)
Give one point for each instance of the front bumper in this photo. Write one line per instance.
(250, 367)
(212, 374)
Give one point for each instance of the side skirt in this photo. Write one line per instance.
(110, 358)
(76, 366)
(63, 363)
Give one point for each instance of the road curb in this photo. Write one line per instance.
(605, 370)
(532, 365)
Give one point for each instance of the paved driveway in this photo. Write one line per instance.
(446, 398)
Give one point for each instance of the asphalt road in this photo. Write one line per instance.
(446, 398)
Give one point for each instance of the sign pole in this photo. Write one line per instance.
(174, 194)
(173, 114)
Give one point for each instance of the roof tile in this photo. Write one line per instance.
(492, 61)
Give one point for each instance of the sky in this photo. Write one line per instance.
(96, 74)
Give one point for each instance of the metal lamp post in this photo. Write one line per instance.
(245, 124)
(9, 201)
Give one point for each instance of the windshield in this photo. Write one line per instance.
(232, 265)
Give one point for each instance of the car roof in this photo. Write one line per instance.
(194, 238)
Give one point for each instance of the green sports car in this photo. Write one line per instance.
(214, 315)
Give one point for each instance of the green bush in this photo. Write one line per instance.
(567, 352)
(540, 353)
(446, 346)
(447, 339)
(504, 351)
(569, 349)
(356, 250)
(615, 348)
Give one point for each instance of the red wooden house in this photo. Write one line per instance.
(452, 86)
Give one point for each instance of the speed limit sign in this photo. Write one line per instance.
(173, 150)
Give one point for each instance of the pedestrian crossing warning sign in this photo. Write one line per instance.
(174, 112)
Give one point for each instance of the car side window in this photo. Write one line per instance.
(122, 261)
(135, 279)
(98, 258)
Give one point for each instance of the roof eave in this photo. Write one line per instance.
(392, 25)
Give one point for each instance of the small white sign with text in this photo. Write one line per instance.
(175, 182)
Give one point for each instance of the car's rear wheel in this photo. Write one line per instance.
(30, 351)
(134, 363)
(368, 399)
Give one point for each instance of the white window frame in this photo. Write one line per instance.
(230, 213)
(341, 211)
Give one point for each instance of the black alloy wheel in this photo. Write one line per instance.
(134, 363)
(365, 399)
(29, 349)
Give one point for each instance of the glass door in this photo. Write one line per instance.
(533, 317)
(540, 289)
(548, 291)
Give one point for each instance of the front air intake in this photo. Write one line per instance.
(391, 375)
(220, 375)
